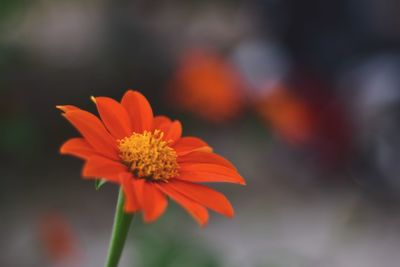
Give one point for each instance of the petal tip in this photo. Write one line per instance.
(230, 214)
(62, 108)
(61, 150)
(147, 219)
(241, 180)
(132, 91)
(136, 94)
(203, 224)
(66, 108)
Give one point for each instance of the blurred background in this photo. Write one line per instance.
(303, 96)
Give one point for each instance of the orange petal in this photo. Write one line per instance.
(93, 131)
(114, 116)
(77, 147)
(154, 202)
(159, 120)
(66, 108)
(203, 195)
(101, 167)
(164, 127)
(206, 167)
(173, 132)
(131, 203)
(139, 111)
(205, 157)
(207, 177)
(138, 185)
(189, 144)
(208, 173)
(198, 212)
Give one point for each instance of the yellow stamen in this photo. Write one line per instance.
(149, 156)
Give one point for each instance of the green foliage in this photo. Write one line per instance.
(19, 137)
(10, 7)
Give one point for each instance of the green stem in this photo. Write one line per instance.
(122, 221)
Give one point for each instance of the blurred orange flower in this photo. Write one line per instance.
(58, 238)
(149, 158)
(309, 117)
(288, 115)
(208, 86)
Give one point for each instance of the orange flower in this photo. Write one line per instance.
(288, 115)
(58, 238)
(205, 79)
(149, 158)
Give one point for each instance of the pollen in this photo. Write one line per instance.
(148, 156)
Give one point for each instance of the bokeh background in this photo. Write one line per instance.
(302, 95)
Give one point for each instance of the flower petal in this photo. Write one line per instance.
(131, 203)
(207, 167)
(203, 195)
(138, 185)
(114, 116)
(101, 167)
(66, 108)
(198, 212)
(173, 131)
(207, 177)
(78, 147)
(189, 144)
(154, 202)
(139, 110)
(93, 131)
(208, 173)
(205, 157)
(159, 120)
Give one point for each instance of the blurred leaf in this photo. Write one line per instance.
(19, 137)
(9, 7)
(99, 183)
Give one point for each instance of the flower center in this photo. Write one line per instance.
(148, 156)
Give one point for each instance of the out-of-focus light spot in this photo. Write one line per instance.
(264, 65)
